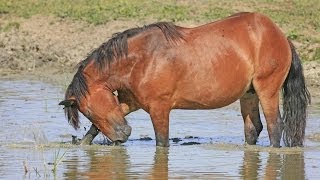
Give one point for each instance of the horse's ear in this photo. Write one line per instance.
(68, 102)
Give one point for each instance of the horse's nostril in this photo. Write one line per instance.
(122, 133)
(127, 130)
(116, 143)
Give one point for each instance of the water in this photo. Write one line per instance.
(34, 133)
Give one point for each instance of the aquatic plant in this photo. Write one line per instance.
(57, 160)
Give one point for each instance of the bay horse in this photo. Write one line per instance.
(162, 66)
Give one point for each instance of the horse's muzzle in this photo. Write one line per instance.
(122, 133)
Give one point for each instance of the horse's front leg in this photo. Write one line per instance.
(160, 119)
(90, 135)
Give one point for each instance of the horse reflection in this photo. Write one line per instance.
(114, 163)
(280, 165)
(293, 166)
(72, 168)
(251, 164)
(111, 164)
(160, 164)
(274, 166)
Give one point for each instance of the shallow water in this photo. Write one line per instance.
(34, 132)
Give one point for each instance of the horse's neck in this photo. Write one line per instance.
(118, 73)
(121, 78)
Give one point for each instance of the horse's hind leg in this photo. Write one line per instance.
(271, 111)
(269, 100)
(250, 112)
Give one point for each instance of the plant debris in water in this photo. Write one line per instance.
(176, 140)
(189, 143)
(145, 138)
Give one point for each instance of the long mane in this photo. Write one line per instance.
(115, 48)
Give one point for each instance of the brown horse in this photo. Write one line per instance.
(161, 66)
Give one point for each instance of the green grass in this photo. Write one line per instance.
(101, 11)
(11, 25)
(300, 19)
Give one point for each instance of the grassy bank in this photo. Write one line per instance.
(300, 19)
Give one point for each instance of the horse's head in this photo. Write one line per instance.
(103, 109)
(96, 102)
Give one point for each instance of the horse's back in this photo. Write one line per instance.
(216, 63)
(218, 59)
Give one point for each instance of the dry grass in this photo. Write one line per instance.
(300, 19)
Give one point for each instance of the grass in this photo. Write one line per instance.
(57, 160)
(11, 25)
(300, 19)
(101, 11)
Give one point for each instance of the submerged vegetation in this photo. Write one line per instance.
(300, 19)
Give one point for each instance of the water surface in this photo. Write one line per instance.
(34, 133)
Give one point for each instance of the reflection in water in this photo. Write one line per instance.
(108, 165)
(273, 167)
(114, 163)
(72, 165)
(278, 165)
(251, 165)
(294, 167)
(160, 164)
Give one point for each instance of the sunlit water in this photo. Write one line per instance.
(34, 134)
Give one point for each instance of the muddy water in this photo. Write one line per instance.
(34, 133)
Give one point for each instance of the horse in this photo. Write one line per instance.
(161, 66)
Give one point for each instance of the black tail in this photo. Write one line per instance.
(296, 98)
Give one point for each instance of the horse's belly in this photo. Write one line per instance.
(212, 91)
(208, 99)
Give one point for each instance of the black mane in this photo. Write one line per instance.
(77, 89)
(117, 46)
(114, 48)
